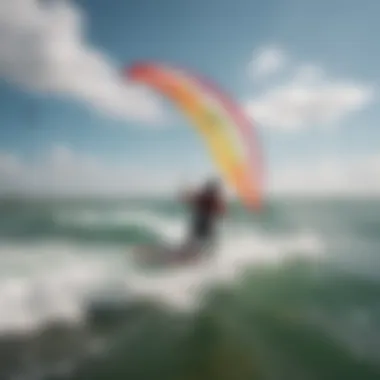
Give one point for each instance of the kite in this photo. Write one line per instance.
(226, 130)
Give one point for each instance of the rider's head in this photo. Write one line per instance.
(213, 186)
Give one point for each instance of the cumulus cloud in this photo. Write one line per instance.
(267, 61)
(308, 99)
(42, 47)
(357, 176)
(64, 172)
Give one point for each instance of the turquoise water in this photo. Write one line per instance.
(291, 293)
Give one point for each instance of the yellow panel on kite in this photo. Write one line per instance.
(223, 138)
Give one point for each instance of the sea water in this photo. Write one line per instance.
(292, 292)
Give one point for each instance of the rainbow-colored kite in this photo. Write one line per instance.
(227, 131)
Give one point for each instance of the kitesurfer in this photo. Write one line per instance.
(207, 206)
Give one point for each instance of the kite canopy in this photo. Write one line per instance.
(225, 128)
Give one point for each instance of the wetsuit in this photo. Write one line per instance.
(207, 207)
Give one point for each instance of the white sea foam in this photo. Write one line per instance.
(49, 280)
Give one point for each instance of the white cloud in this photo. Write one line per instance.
(358, 176)
(266, 62)
(308, 74)
(42, 47)
(64, 172)
(309, 99)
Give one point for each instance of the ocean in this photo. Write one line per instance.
(291, 293)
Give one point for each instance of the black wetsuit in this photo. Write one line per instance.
(205, 213)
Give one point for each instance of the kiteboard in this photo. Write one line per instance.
(155, 256)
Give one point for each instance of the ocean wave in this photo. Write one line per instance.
(280, 277)
(55, 277)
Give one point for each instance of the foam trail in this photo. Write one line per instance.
(56, 280)
(238, 249)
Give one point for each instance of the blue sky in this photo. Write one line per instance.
(221, 39)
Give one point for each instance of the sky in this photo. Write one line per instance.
(305, 72)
